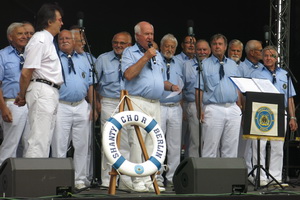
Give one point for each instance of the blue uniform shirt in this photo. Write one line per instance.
(189, 78)
(216, 90)
(175, 75)
(107, 66)
(150, 82)
(246, 68)
(281, 81)
(10, 72)
(182, 57)
(76, 87)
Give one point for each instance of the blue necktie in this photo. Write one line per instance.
(71, 64)
(168, 70)
(21, 60)
(273, 75)
(221, 71)
(21, 56)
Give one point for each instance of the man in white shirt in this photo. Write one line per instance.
(40, 81)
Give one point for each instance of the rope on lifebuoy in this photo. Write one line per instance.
(109, 142)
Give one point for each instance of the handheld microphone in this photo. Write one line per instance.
(80, 17)
(267, 33)
(190, 25)
(153, 58)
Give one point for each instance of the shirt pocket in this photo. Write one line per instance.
(213, 80)
(282, 84)
(110, 76)
(11, 69)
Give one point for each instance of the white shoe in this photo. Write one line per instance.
(80, 186)
(160, 184)
(151, 188)
(123, 186)
(139, 186)
(263, 182)
(170, 184)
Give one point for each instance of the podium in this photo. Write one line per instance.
(263, 118)
(264, 115)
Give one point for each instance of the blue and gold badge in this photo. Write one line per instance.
(264, 119)
(139, 169)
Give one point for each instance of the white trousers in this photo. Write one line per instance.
(108, 107)
(245, 150)
(171, 125)
(220, 130)
(73, 124)
(13, 132)
(149, 108)
(276, 157)
(42, 102)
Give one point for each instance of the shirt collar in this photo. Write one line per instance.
(142, 49)
(216, 60)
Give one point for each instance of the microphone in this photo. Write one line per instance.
(267, 33)
(190, 25)
(80, 17)
(153, 58)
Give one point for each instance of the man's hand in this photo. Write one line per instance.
(20, 101)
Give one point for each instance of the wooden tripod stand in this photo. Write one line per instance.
(113, 174)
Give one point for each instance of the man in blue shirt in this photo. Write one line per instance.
(252, 62)
(171, 110)
(278, 77)
(143, 77)
(219, 102)
(14, 118)
(74, 113)
(188, 53)
(108, 67)
(190, 72)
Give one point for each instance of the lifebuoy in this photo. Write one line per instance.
(109, 142)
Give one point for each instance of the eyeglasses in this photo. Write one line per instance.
(260, 50)
(121, 43)
(189, 42)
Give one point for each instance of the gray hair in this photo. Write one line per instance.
(137, 28)
(250, 45)
(268, 48)
(235, 42)
(169, 36)
(12, 27)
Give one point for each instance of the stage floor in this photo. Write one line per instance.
(290, 191)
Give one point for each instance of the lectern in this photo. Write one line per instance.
(263, 118)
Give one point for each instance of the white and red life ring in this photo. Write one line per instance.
(109, 142)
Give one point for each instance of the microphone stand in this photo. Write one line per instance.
(200, 69)
(94, 182)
